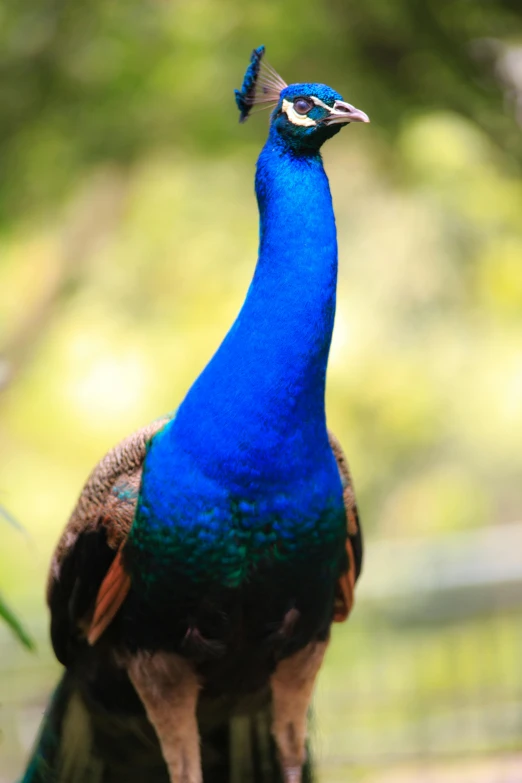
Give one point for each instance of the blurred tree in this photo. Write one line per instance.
(99, 81)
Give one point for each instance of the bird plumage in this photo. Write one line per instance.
(209, 553)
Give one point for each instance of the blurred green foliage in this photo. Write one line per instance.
(10, 619)
(106, 81)
(129, 235)
(6, 613)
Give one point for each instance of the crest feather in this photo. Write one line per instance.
(262, 85)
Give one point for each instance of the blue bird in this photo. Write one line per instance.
(193, 590)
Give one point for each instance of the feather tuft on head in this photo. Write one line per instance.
(261, 85)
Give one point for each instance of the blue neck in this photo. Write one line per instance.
(260, 400)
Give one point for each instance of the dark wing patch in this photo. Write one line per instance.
(72, 596)
(97, 527)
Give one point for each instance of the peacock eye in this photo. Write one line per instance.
(302, 105)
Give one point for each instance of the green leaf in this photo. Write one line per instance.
(12, 521)
(16, 627)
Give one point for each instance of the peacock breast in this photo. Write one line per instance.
(194, 527)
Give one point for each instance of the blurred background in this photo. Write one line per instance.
(128, 236)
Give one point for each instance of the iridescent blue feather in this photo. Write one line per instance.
(245, 96)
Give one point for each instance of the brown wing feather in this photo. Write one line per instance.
(107, 498)
(345, 593)
(111, 595)
(96, 529)
(344, 598)
(348, 493)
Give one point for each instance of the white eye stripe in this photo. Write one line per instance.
(319, 102)
(294, 117)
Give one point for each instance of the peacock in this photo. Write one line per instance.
(193, 590)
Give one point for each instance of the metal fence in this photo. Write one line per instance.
(429, 668)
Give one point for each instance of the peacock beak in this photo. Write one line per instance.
(343, 112)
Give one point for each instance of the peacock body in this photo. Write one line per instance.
(208, 555)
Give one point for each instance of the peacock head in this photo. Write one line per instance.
(303, 115)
